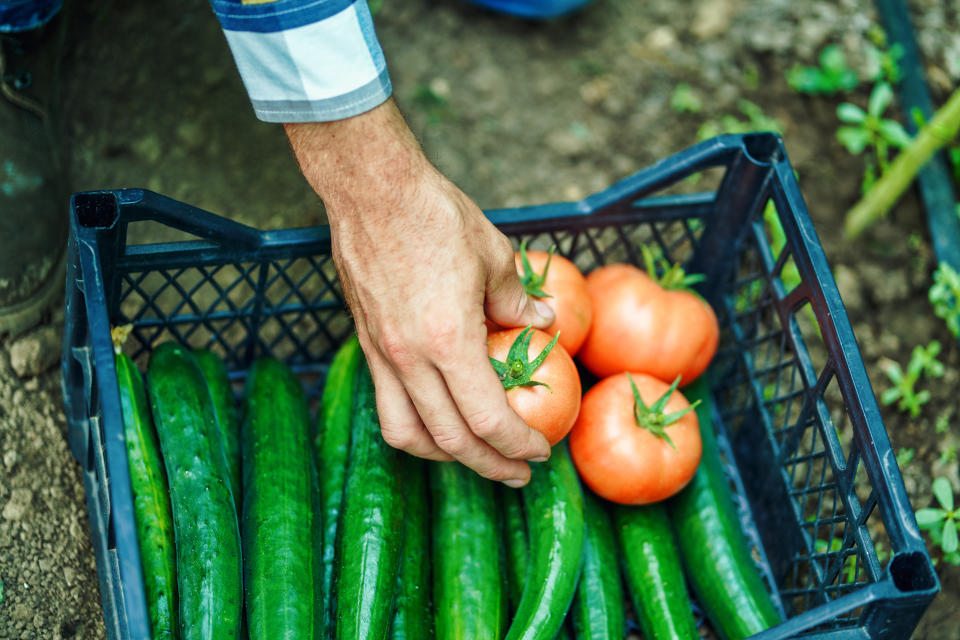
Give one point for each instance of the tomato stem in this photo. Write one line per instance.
(532, 281)
(652, 418)
(517, 370)
(673, 277)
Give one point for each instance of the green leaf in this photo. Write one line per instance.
(895, 134)
(944, 493)
(893, 371)
(949, 543)
(851, 113)
(890, 396)
(880, 99)
(832, 58)
(927, 517)
(854, 139)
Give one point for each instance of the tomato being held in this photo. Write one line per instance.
(641, 324)
(557, 282)
(636, 440)
(540, 379)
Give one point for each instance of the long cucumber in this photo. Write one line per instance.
(281, 532)
(204, 516)
(597, 610)
(370, 535)
(470, 602)
(331, 447)
(414, 619)
(553, 502)
(151, 502)
(714, 550)
(517, 547)
(654, 575)
(228, 416)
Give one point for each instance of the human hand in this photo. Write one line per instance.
(422, 267)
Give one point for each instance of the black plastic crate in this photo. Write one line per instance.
(818, 487)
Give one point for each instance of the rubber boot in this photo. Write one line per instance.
(33, 196)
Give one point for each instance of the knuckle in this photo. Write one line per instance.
(451, 442)
(398, 437)
(486, 423)
(397, 350)
(443, 339)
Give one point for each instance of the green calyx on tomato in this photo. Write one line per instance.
(532, 281)
(673, 277)
(518, 370)
(652, 418)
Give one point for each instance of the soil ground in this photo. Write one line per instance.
(514, 113)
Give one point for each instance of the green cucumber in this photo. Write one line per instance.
(204, 516)
(714, 550)
(414, 619)
(597, 610)
(654, 574)
(470, 602)
(331, 446)
(370, 536)
(228, 416)
(151, 502)
(280, 529)
(517, 547)
(553, 502)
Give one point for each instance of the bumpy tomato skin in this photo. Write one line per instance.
(640, 326)
(551, 411)
(623, 462)
(569, 298)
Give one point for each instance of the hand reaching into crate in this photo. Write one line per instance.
(421, 267)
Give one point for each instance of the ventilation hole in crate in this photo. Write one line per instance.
(707, 180)
(150, 232)
(808, 341)
(840, 428)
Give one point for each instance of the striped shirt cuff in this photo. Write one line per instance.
(306, 60)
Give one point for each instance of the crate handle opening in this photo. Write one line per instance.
(96, 210)
(911, 571)
(763, 148)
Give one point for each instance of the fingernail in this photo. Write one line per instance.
(516, 483)
(543, 309)
(540, 459)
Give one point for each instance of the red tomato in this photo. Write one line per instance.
(551, 411)
(640, 326)
(568, 297)
(627, 463)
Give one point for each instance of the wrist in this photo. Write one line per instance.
(360, 162)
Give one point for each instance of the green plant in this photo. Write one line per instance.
(433, 104)
(685, 100)
(904, 456)
(756, 120)
(869, 129)
(849, 562)
(883, 62)
(832, 76)
(942, 129)
(944, 295)
(923, 361)
(930, 519)
(942, 423)
(948, 455)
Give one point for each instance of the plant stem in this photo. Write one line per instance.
(941, 130)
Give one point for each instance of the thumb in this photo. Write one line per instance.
(508, 305)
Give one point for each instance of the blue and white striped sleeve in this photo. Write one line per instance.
(306, 60)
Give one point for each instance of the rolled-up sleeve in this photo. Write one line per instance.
(306, 60)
